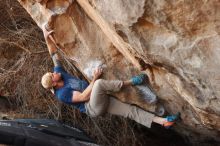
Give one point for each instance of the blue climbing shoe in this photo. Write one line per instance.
(171, 120)
(137, 80)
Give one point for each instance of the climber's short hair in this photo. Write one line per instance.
(47, 81)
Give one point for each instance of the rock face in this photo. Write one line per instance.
(174, 42)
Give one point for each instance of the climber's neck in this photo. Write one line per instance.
(59, 84)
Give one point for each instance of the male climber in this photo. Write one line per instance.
(92, 98)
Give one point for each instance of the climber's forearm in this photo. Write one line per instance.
(85, 95)
(53, 51)
(51, 46)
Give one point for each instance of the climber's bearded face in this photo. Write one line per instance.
(56, 77)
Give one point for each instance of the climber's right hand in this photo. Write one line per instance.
(47, 32)
(51, 43)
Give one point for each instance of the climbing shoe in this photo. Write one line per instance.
(171, 120)
(137, 80)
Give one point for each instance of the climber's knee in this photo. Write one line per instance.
(98, 83)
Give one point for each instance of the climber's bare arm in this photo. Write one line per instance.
(53, 52)
(50, 42)
(85, 95)
(52, 48)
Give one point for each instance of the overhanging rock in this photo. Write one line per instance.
(174, 42)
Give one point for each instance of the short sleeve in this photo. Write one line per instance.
(59, 69)
(66, 96)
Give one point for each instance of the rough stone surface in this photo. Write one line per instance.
(175, 42)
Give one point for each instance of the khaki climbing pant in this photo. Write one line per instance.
(100, 103)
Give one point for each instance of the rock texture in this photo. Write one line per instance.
(175, 42)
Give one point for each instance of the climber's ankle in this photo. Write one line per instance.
(127, 83)
(170, 120)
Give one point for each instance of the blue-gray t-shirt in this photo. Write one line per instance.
(71, 84)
